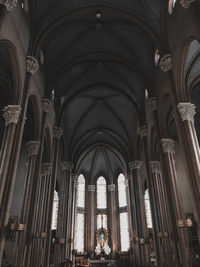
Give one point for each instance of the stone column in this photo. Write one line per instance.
(113, 216)
(91, 217)
(183, 243)
(40, 233)
(135, 213)
(65, 209)
(25, 237)
(187, 112)
(58, 132)
(164, 228)
(140, 209)
(11, 116)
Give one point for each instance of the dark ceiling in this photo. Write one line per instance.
(98, 57)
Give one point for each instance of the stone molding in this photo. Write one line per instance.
(11, 114)
(135, 165)
(33, 148)
(32, 64)
(46, 168)
(47, 105)
(66, 166)
(152, 102)
(57, 132)
(186, 3)
(168, 145)
(111, 187)
(166, 63)
(187, 111)
(142, 131)
(155, 166)
(9, 4)
(91, 188)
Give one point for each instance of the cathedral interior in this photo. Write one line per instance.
(99, 133)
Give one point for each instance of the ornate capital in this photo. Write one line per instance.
(155, 166)
(186, 3)
(187, 111)
(142, 131)
(168, 145)
(33, 148)
(9, 4)
(135, 165)
(111, 187)
(11, 114)
(46, 169)
(166, 63)
(66, 166)
(32, 64)
(47, 105)
(58, 132)
(91, 188)
(152, 102)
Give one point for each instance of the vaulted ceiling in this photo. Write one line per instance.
(98, 58)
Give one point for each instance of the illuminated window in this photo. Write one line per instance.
(55, 211)
(99, 222)
(148, 209)
(124, 231)
(101, 193)
(122, 191)
(80, 215)
(124, 226)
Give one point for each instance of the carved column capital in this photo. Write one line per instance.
(47, 105)
(33, 148)
(46, 168)
(58, 132)
(11, 114)
(9, 4)
(66, 166)
(168, 145)
(91, 188)
(32, 64)
(152, 102)
(135, 165)
(111, 187)
(166, 63)
(187, 111)
(155, 166)
(142, 131)
(186, 3)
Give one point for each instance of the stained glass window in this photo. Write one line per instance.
(55, 211)
(101, 193)
(80, 215)
(124, 231)
(124, 226)
(148, 209)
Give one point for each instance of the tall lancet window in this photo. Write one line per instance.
(101, 202)
(55, 211)
(80, 215)
(123, 213)
(147, 208)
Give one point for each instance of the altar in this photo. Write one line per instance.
(102, 263)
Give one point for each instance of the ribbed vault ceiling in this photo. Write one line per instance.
(98, 57)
